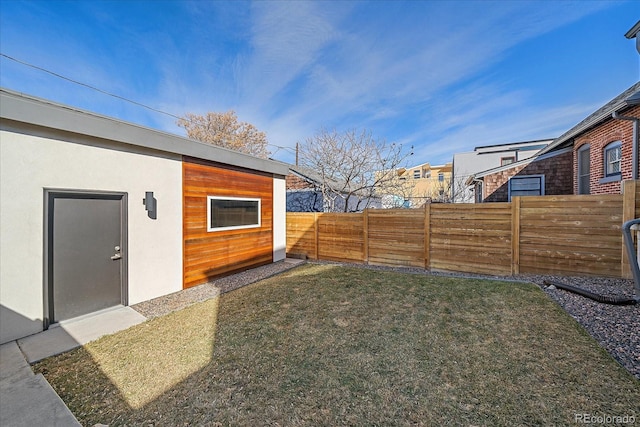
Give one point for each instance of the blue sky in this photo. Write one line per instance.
(443, 76)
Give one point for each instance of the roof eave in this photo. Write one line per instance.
(30, 110)
(633, 32)
(618, 103)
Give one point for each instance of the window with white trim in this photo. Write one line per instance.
(526, 185)
(416, 174)
(613, 159)
(507, 160)
(232, 213)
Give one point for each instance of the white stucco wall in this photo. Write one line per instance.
(279, 219)
(29, 165)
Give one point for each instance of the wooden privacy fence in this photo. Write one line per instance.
(574, 235)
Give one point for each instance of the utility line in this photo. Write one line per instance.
(110, 94)
(88, 86)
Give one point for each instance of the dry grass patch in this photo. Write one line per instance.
(327, 345)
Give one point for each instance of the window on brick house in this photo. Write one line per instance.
(526, 185)
(584, 169)
(613, 159)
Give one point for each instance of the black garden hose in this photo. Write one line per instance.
(596, 297)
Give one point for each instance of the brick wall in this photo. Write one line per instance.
(557, 176)
(609, 131)
(294, 182)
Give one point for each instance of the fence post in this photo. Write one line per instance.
(427, 235)
(515, 235)
(365, 236)
(316, 231)
(629, 191)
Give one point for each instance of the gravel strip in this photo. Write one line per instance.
(178, 300)
(616, 328)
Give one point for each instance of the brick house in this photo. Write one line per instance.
(593, 157)
(304, 194)
(486, 157)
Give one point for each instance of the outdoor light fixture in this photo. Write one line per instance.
(149, 203)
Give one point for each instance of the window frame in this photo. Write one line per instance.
(417, 174)
(580, 169)
(516, 177)
(612, 146)
(504, 161)
(233, 227)
(440, 176)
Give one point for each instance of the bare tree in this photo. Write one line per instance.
(349, 164)
(224, 130)
(396, 190)
(461, 192)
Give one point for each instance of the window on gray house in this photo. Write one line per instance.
(613, 159)
(584, 169)
(507, 160)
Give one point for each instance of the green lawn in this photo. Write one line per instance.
(329, 345)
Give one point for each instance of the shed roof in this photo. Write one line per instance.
(30, 110)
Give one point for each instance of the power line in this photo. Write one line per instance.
(88, 86)
(279, 147)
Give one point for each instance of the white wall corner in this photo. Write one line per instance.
(279, 219)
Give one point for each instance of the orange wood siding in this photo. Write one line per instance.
(217, 253)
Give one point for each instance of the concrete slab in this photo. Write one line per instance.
(32, 402)
(73, 333)
(13, 366)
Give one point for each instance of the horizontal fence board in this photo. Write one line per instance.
(606, 242)
(578, 227)
(557, 256)
(467, 267)
(555, 235)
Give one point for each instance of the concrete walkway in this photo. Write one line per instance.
(27, 399)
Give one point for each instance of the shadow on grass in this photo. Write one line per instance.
(328, 345)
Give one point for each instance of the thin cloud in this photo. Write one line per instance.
(418, 73)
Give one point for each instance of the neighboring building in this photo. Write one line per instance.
(634, 33)
(535, 176)
(305, 194)
(604, 145)
(414, 186)
(593, 157)
(482, 158)
(96, 212)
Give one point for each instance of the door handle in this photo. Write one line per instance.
(117, 255)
